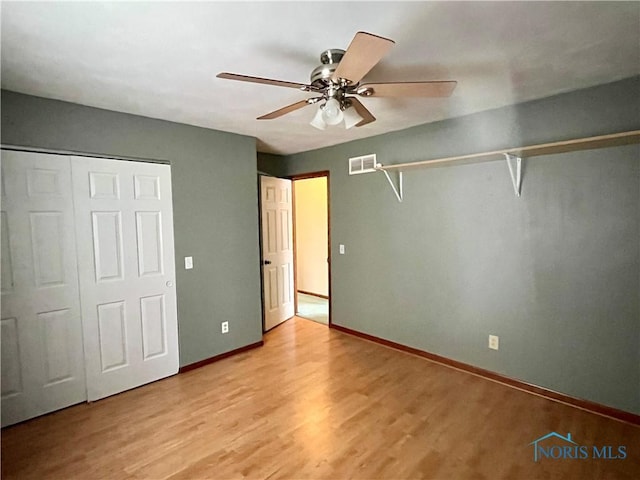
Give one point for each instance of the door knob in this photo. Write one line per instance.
(169, 283)
(267, 262)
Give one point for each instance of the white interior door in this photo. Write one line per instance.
(126, 266)
(277, 250)
(42, 357)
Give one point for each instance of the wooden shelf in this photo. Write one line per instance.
(588, 143)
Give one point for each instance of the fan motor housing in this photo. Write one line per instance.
(321, 75)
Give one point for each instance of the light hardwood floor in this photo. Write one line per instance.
(315, 403)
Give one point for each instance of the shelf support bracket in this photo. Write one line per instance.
(516, 177)
(397, 191)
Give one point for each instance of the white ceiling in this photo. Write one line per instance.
(160, 59)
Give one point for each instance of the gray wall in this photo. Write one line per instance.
(271, 164)
(214, 199)
(555, 273)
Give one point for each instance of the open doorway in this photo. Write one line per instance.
(311, 246)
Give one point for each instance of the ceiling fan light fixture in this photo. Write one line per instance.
(337, 82)
(317, 121)
(331, 112)
(351, 118)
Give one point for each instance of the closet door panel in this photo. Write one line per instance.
(126, 256)
(42, 349)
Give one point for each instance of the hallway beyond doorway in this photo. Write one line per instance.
(313, 308)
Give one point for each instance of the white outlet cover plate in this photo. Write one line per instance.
(494, 342)
(341, 249)
(188, 263)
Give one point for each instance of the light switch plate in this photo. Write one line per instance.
(341, 249)
(188, 263)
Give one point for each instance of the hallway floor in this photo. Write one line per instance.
(313, 308)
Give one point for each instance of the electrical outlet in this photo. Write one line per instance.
(494, 342)
(225, 327)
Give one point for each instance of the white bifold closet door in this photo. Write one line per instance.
(124, 227)
(88, 295)
(42, 358)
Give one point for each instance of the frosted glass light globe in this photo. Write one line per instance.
(331, 113)
(317, 121)
(351, 118)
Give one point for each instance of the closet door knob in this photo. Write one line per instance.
(267, 262)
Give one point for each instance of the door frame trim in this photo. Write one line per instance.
(306, 176)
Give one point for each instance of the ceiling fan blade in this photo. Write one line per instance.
(366, 115)
(407, 89)
(267, 81)
(284, 110)
(364, 52)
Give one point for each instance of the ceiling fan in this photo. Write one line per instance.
(337, 83)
